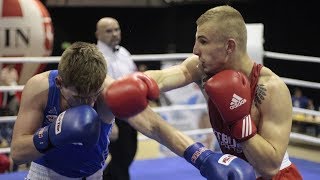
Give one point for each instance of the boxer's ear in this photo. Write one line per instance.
(230, 46)
(58, 81)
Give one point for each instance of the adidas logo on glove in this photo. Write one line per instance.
(236, 101)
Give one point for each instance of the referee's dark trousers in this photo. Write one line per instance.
(122, 153)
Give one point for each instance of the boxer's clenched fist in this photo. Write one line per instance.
(78, 125)
(217, 166)
(129, 95)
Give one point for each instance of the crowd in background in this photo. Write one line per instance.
(303, 122)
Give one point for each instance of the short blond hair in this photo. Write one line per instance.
(228, 23)
(83, 66)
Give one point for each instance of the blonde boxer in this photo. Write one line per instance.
(249, 105)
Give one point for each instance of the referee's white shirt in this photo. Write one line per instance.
(119, 61)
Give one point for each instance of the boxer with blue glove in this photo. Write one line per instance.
(78, 125)
(63, 126)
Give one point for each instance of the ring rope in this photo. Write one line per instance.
(56, 59)
(11, 88)
(159, 57)
(4, 150)
(288, 81)
(302, 83)
(4, 119)
(290, 57)
(293, 136)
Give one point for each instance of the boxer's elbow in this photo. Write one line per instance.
(269, 172)
(16, 156)
(20, 154)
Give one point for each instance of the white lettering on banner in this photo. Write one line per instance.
(25, 30)
(15, 37)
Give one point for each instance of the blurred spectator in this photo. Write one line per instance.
(299, 100)
(4, 163)
(142, 67)
(9, 105)
(9, 75)
(310, 106)
(9, 101)
(4, 159)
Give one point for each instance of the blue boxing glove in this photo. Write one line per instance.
(217, 166)
(79, 125)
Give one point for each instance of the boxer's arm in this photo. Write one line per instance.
(179, 75)
(153, 126)
(29, 120)
(207, 161)
(266, 150)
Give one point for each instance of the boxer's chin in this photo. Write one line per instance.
(209, 72)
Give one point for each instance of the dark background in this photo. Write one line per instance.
(289, 27)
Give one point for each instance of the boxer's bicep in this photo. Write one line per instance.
(176, 76)
(30, 115)
(276, 117)
(29, 119)
(169, 78)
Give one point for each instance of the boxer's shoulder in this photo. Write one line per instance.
(36, 89)
(270, 80)
(39, 78)
(38, 82)
(271, 90)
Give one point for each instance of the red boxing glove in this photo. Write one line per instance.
(129, 95)
(230, 92)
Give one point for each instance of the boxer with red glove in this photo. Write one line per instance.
(230, 91)
(218, 166)
(129, 95)
(78, 125)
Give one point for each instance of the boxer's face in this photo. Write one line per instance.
(210, 48)
(73, 98)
